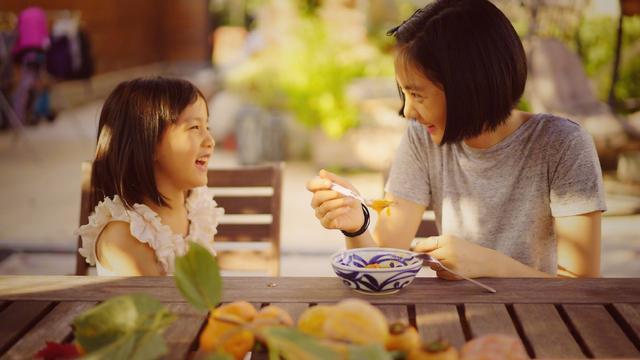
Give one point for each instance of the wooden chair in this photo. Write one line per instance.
(248, 237)
(82, 268)
(427, 226)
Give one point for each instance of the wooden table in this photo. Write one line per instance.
(554, 318)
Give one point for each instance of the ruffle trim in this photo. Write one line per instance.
(146, 226)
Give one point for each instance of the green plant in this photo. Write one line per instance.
(597, 38)
(308, 74)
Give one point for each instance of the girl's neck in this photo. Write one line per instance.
(175, 215)
(173, 196)
(490, 138)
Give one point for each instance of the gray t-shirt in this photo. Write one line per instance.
(504, 197)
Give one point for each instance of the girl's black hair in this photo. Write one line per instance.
(132, 120)
(470, 49)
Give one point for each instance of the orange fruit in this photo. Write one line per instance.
(272, 315)
(436, 350)
(226, 330)
(402, 337)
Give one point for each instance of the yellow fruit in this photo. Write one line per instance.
(402, 337)
(272, 315)
(240, 311)
(312, 320)
(436, 350)
(358, 322)
(225, 330)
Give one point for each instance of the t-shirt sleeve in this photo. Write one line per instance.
(576, 182)
(408, 177)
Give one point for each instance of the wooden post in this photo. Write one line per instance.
(616, 64)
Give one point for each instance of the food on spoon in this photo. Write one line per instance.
(312, 320)
(380, 204)
(435, 350)
(402, 337)
(225, 329)
(358, 322)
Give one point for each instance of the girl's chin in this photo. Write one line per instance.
(436, 137)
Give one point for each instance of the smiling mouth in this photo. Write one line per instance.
(202, 161)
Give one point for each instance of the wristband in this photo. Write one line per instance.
(364, 227)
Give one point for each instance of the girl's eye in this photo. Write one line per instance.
(196, 127)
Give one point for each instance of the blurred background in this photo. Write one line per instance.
(308, 82)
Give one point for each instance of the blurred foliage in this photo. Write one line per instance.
(307, 75)
(594, 40)
(597, 41)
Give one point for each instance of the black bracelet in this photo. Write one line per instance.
(364, 226)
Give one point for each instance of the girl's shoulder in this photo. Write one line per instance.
(141, 223)
(557, 125)
(204, 215)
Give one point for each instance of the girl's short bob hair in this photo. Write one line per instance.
(132, 121)
(470, 49)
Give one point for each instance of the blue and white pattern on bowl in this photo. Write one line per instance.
(399, 268)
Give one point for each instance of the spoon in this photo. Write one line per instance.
(430, 259)
(378, 204)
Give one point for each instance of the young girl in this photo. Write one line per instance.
(150, 171)
(515, 194)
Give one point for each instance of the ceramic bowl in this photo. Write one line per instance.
(376, 271)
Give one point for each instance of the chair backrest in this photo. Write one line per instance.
(427, 226)
(248, 237)
(82, 268)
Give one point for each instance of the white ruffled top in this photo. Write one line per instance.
(146, 226)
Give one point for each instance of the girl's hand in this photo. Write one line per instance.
(334, 210)
(459, 255)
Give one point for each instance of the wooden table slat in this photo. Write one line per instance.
(600, 332)
(536, 320)
(631, 315)
(395, 313)
(18, 318)
(439, 322)
(183, 332)
(489, 318)
(601, 315)
(328, 290)
(55, 326)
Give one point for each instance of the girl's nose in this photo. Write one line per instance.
(408, 110)
(208, 140)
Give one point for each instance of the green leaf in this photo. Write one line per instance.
(128, 326)
(293, 344)
(140, 345)
(369, 352)
(198, 278)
